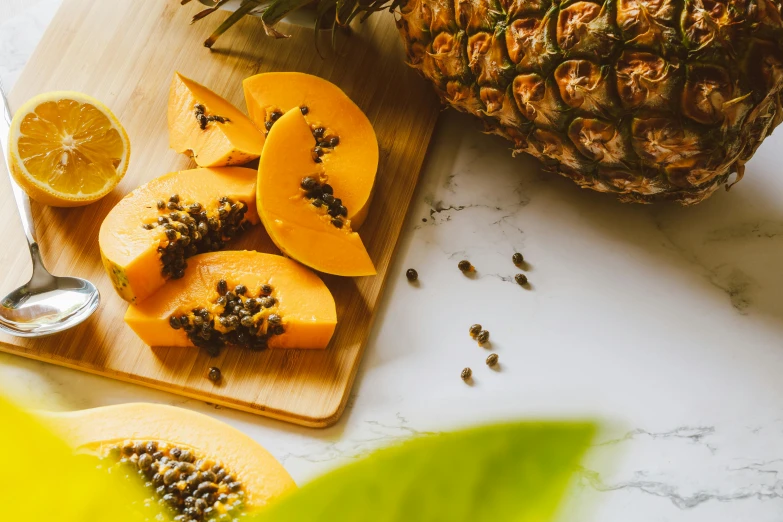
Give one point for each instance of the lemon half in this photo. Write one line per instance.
(67, 149)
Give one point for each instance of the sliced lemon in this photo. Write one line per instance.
(67, 149)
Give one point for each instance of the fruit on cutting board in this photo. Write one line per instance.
(67, 149)
(197, 467)
(646, 99)
(147, 237)
(238, 298)
(300, 206)
(207, 127)
(338, 126)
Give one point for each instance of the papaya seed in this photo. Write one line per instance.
(475, 330)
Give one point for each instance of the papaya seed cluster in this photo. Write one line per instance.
(192, 488)
(235, 318)
(190, 229)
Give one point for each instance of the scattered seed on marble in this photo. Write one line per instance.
(520, 279)
(475, 330)
(492, 359)
(465, 266)
(412, 274)
(466, 374)
(517, 258)
(483, 336)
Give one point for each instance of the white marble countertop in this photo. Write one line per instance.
(667, 323)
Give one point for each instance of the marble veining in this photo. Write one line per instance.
(664, 323)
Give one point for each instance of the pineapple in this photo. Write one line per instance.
(647, 99)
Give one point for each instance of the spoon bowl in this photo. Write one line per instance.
(36, 311)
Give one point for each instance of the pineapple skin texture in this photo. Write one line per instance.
(647, 99)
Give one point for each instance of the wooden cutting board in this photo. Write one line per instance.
(124, 52)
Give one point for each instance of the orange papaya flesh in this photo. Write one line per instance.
(175, 451)
(342, 132)
(207, 127)
(299, 224)
(238, 298)
(147, 237)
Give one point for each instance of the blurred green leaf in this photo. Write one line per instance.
(45, 481)
(512, 472)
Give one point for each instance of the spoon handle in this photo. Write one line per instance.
(22, 200)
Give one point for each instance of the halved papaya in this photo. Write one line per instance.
(196, 466)
(238, 298)
(147, 236)
(207, 127)
(300, 208)
(344, 136)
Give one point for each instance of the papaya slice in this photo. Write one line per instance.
(299, 206)
(196, 466)
(146, 238)
(238, 298)
(207, 127)
(343, 133)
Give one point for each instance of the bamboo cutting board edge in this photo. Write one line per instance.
(401, 161)
(310, 422)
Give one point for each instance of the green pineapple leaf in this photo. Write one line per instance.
(48, 482)
(511, 472)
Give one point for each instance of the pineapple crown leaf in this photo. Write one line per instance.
(201, 14)
(272, 12)
(245, 8)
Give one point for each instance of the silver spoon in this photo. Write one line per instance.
(47, 304)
